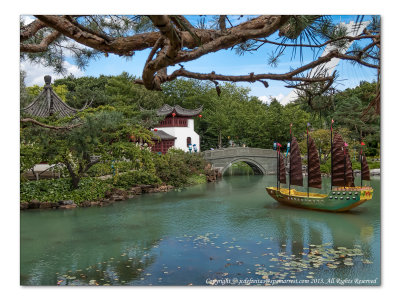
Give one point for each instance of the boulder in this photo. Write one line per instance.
(137, 190)
(117, 198)
(34, 203)
(130, 195)
(146, 187)
(55, 205)
(95, 203)
(105, 203)
(85, 204)
(68, 206)
(23, 205)
(66, 202)
(45, 205)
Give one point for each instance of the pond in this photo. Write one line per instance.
(225, 233)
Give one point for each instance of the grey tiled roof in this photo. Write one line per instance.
(180, 111)
(49, 103)
(163, 135)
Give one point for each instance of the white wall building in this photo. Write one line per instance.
(177, 129)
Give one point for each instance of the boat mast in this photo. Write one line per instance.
(331, 155)
(345, 166)
(361, 158)
(290, 157)
(277, 165)
(308, 164)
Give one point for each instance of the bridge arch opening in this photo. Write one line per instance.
(256, 168)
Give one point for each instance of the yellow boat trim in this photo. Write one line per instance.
(293, 192)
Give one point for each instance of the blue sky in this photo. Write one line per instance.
(226, 62)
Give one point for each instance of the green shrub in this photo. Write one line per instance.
(326, 168)
(196, 179)
(101, 169)
(133, 178)
(55, 190)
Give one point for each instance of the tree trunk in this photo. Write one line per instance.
(75, 181)
(75, 178)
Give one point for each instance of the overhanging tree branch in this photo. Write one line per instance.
(35, 122)
(44, 44)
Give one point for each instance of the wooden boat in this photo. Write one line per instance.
(343, 195)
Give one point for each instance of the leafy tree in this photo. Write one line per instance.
(85, 89)
(174, 40)
(121, 92)
(102, 135)
(60, 90)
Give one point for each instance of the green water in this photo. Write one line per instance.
(230, 231)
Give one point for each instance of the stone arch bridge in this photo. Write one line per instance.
(262, 161)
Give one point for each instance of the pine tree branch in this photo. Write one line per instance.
(30, 30)
(43, 46)
(33, 121)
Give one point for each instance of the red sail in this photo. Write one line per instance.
(338, 161)
(282, 170)
(349, 171)
(314, 171)
(296, 172)
(365, 169)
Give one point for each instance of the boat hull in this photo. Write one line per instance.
(338, 200)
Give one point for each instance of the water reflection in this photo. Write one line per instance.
(220, 230)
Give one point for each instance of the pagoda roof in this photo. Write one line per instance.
(163, 135)
(166, 110)
(48, 103)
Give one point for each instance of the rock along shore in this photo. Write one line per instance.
(114, 195)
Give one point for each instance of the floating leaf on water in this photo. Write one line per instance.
(332, 266)
(366, 261)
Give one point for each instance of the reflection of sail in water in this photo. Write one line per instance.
(304, 228)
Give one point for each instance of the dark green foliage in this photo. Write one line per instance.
(175, 167)
(84, 89)
(134, 178)
(121, 91)
(55, 190)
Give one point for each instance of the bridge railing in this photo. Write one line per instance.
(238, 151)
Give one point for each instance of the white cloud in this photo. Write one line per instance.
(267, 99)
(264, 99)
(27, 19)
(35, 72)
